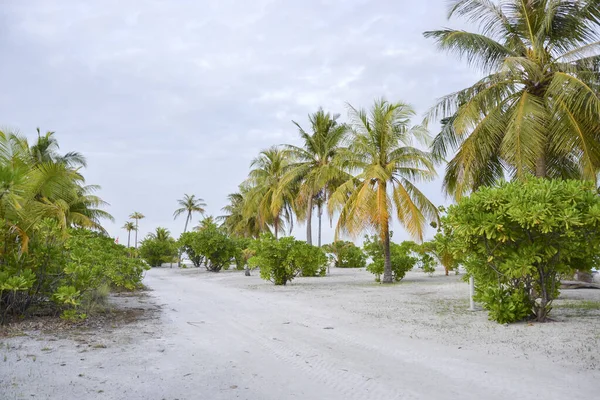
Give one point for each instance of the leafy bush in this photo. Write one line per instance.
(401, 255)
(64, 269)
(426, 262)
(440, 249)
(517, 239)
(187, 243)
(346, 254)
(311, 259)
(242, 253)
(157, 251)
(280, 261)
(213, 246)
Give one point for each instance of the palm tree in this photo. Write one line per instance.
(136, 216)
(189, 205)
(84, 209)
(238, 220)
(207, 222)
(536, 111)
(31, 191)
(129, 226)
(269, 199)
(313, 167)
(46, 150)
(380, 153)
(161, 234)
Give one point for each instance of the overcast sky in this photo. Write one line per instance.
(172, 97)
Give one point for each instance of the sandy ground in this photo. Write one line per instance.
(227, 336)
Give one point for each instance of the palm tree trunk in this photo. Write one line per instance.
(387, 265)
(276, 227)
(320, 219)
(309, 220)
(540, 167)
(186, 223)
(189, 216)
(136, 231)
(128, 239)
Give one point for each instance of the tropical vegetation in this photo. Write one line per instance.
(281, 260)
(523, 144)
(517, 240)
(387, 166)
(159, 248)
(346, 254)
(537, 107)
(55, 252)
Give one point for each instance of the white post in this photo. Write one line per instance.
(471, 293)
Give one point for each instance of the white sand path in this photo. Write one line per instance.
(226, 336)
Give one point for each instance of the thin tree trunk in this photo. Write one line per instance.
(309, 220)
(184, 230)
(320, 219)
(136, 231)
(540, 167)
(387, 266)
(276, 227)
(186, 223)
(128, 239)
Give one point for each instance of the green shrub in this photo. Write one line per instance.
(282, 260)
(346, 254)
(426, 262)
(214, 246)
(401, 255)
(241, 252)
(96, 260)
(440, 249)
(518, 238)
(311, 259)
(187, 242)
(157, 251)
(64, 270)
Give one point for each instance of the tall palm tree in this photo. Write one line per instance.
(84, 209)
(189, 205)
(313, 168)
(31, 191)
(238, 220)
(46, 149)
(129, 226)
(160, 234)
(386, 164)
(536, 110)
(136, 216)
(269, 198)
(205, 223)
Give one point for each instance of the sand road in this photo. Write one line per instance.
(225, 336)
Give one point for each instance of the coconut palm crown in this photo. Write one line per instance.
(537, 107)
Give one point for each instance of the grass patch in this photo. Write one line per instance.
(589, 305)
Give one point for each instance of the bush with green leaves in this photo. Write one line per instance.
(425, 261)
(157, 251)
(187, 242)
(346, 254)
(311, 259)
(280, 261)
(516, 240)
(215, 248)
(63, 270)
(439, 248)
(402, 257)
(242, 253)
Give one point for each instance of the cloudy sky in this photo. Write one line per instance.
(170, 97)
